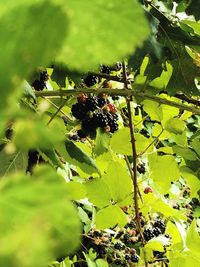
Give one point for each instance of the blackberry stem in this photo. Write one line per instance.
(119, 92)
(132, 177)
(134, 172)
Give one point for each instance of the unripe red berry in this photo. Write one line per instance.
(148, 189)
(112, 108)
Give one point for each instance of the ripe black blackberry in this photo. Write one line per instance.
(141, 168)
(159, 224)
(74, 137)
(101, 119)
(102, 102)
(91, 103)
(117, 262)
(126, 238)
(135, 258)
(38, 85)
(105, 69)
(157, 231)
(127, 257)
(44, 76)
(79, 111)
(131, 224)
(148, 234)
(168, 236)
(145, 133)
(89, 125)
(81, 134)
(115, 97)
(113, 126)
(90, 80)
(118, 246)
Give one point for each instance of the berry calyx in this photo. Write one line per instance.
(82, 98)
(107, 84)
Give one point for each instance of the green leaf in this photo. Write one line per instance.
(89, 44)
(142, 143)
(13, 162)
(196, 146)
(184, 74)
(102, 142)
(83, 215)
(118, 181)
(156, 243)
(98, 192)
(78, 157)
(24, 18)
(163, 170)
(109, 217)
(175, 125)
(152, 203)
(168, 111)
(121, 142)
(101, 263)
(162, 81)
(195, 25)
(76, 190)
(153, 109)
(185, 152)
(36, 205)
(192, 180)
(33, 133)
(192, 237)
(173, 231)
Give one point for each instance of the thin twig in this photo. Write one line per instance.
(133, 144)
(132, 177)
(188, 99)
(55, 106)
(57, 111)
(155, 140)
(120, 92)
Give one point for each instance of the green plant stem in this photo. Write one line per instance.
(121, 92)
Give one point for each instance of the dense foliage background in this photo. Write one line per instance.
(99, 164)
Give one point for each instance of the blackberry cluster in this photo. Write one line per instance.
(40, 84)
(94, 112)
(111, 247)
(158, 228)
(160, 225)
(148, 234)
